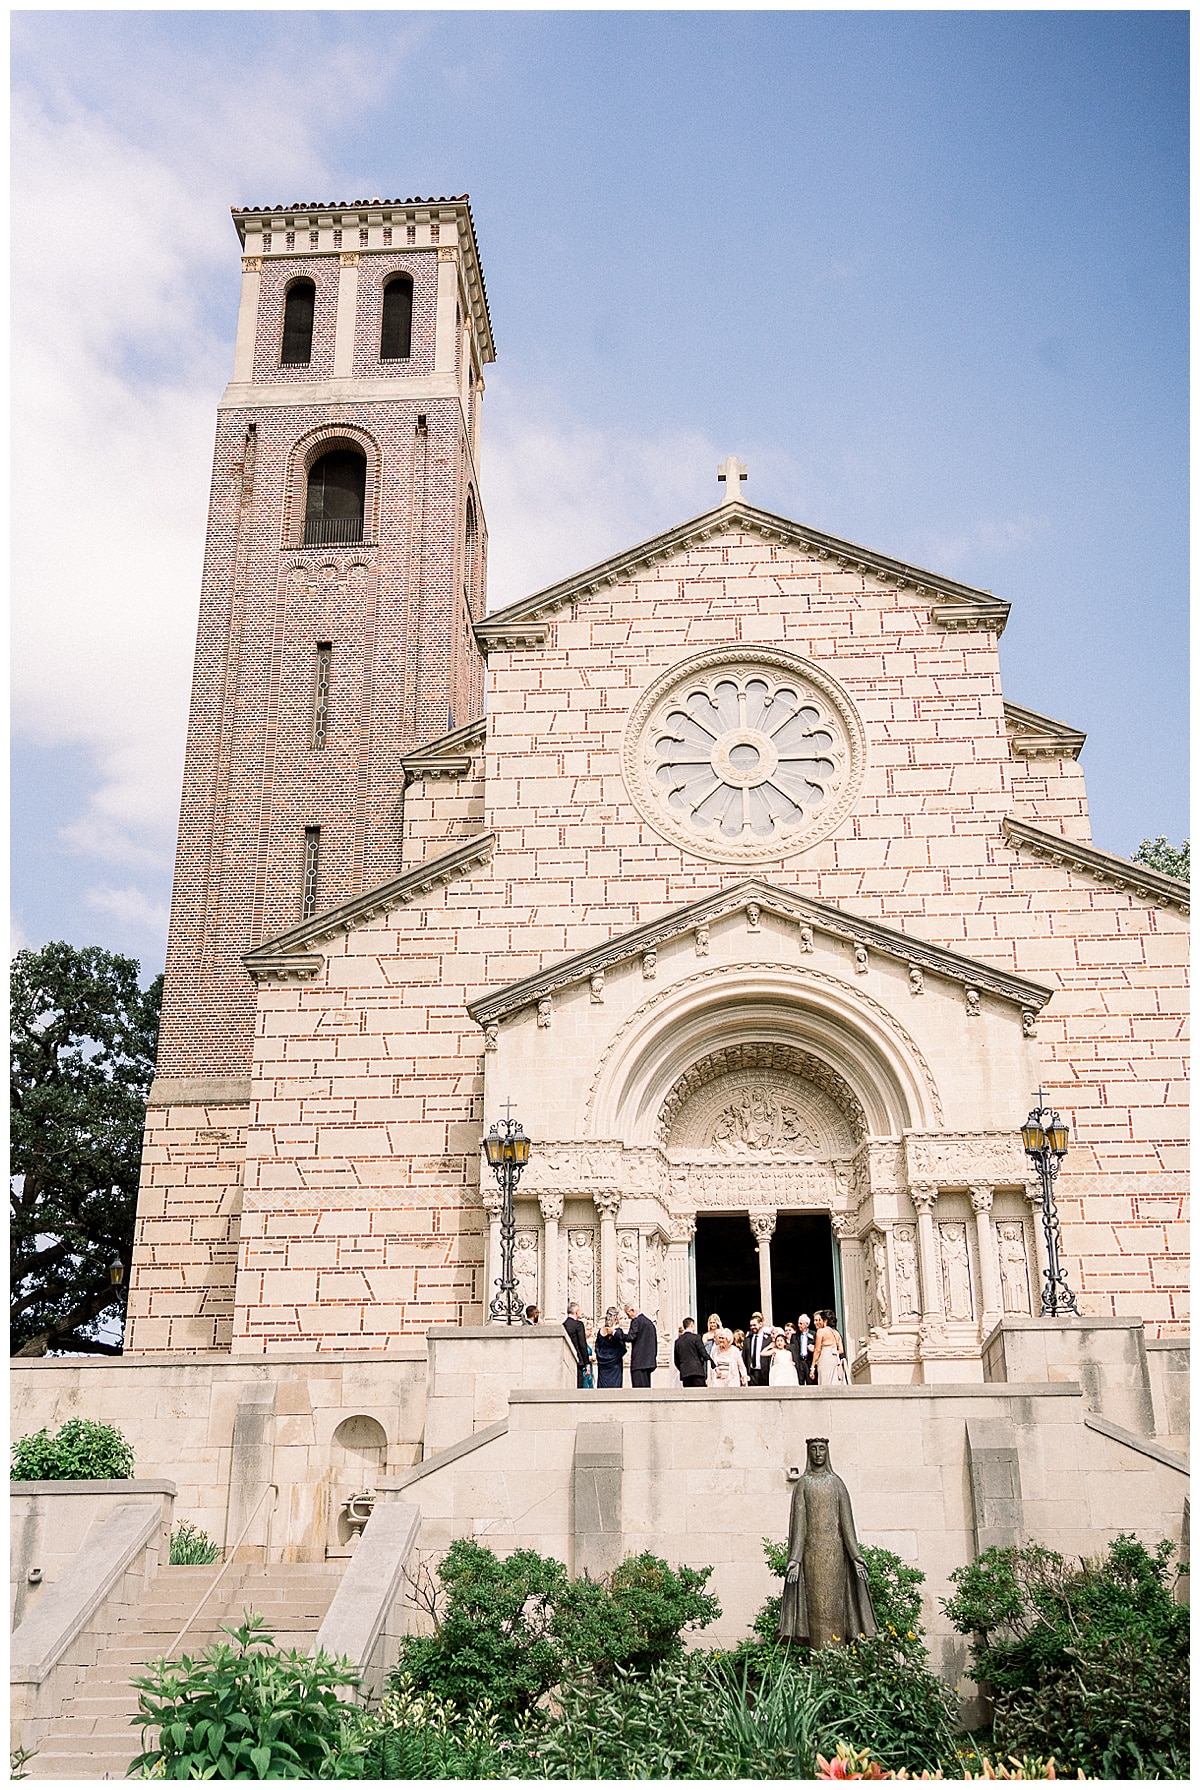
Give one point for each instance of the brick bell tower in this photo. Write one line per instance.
(345, 564)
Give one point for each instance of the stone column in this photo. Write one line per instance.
(679, 1286)
(445, 337)
(347, 312)
(553, 1290)
(989, 1265)
(493, 1204)
(247, 323)
(608, 1204)
(924, 1198)
(851, 1251)
(763, 1226)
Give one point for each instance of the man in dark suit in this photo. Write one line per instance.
(802, 1348)
(752, 1349)
(691, 1356)
(642, 1338)
(577, 1337)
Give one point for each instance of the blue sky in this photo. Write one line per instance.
(924, 271)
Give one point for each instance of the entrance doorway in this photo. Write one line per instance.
(726, 1269)
(802, 1268)
(802, 1274)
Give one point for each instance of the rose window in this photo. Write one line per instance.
(750, 757)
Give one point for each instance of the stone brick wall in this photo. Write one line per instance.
(368, 1083)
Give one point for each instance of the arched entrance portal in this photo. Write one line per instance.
(803, 1273)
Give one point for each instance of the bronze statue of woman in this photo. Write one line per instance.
(825, 1595)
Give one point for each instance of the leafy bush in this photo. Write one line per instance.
(508, 1631)
(80, 1450)
(700, 1716)
(1088, 1661)
(248, 1711)
(191, 1546)
(413, 1734)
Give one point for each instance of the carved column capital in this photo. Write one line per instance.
(844, 1226)
(492, 1201)
(607, 1201)
(551, 1205)
(683, 1230)
(923, 1196)
(763, 1225)
(981, 1198)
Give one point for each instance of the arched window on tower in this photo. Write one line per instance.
(395, 340)
(469, 553)
(337, 483)
(298, 310)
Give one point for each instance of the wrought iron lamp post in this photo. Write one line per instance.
(1045, 1138)
(506, 1149)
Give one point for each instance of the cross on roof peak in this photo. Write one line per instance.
(731, 473)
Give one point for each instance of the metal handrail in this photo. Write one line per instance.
(232, 1556)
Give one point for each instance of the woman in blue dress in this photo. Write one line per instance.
(610, 1351)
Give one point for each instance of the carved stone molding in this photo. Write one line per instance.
(964, 1158)
(804, 978)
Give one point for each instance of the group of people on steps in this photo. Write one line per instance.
(796, 1354)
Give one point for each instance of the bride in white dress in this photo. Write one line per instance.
(783, 1366)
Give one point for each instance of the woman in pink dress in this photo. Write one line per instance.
(727, 1368)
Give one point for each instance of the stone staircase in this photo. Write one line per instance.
(94, 1736)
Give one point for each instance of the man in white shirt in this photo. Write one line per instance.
(802, 1347)
(752, 1350)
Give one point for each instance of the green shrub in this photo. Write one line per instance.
(508, 1631)
(80, 1450)
(248, 1711)
(413, 1734)
(191, 1546)
(700, 1716)
(1087, 1661)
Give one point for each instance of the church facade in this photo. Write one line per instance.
(726, 866)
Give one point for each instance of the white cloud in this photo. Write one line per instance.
(131, 908)
(561, 495)
(117, 368)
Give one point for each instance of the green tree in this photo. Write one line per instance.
(1172, 860)
(83, 1041)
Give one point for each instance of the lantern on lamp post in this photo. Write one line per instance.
(1045, 1138)
(506, 1150)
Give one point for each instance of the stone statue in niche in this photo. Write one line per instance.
(825, 1595)
(628, 1290)
(1014, 1266)
(760, 1122)
(581, 1270)
(525, 1266)
(904, 1243)
(879, 1263)
(956, 1271)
